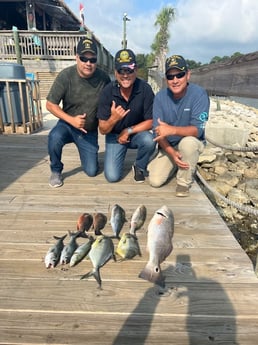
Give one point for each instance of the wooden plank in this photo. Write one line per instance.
(80, 328)
(74, 295)
(211, 289)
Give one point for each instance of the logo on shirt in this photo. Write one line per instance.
(203, 117)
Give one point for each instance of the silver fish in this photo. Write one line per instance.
(99, 222)
(53, 255)
(138, 219)
(70, 248)
(102, 250)
(84, 222)
(128, 246)
(117, 219)
(159, 244)
(81, 252)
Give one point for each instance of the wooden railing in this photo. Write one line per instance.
(46, 45)
(20, 106)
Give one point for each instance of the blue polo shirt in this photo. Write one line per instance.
(190, 110)
(140, 104)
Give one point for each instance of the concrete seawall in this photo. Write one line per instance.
(235, 77)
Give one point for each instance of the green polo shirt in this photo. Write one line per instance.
(79, 95)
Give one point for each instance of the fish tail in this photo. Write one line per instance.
(153, 274)
(96, 274)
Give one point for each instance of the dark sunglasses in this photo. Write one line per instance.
(125, 71)
(178, 76)
(85, 59)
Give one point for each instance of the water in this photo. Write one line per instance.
(251, 102)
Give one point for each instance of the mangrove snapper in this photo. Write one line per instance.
(138, 219)
(117, 219)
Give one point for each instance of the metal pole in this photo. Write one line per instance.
(124, 42)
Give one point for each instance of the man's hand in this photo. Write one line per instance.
(123, 137)
(177, 157)
(79, 122)
(164, 130)
(117, 113)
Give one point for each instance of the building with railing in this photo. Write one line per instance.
(42, 36)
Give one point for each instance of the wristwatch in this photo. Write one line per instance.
(130, 130)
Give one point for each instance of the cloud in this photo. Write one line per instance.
(202, 29)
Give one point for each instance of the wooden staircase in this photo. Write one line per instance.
(45, 81)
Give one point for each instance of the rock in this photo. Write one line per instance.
(233, 173)
(238, 196)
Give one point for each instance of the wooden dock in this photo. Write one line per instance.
(211, 294)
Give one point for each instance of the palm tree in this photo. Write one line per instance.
(160, 45)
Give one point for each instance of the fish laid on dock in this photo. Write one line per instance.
(102, 250)
(53, 255)
(128, 246)
(99, 222)
(159, 244)
(138, 219)
(81, 252)
(117, 219)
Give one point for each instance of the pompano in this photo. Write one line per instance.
(128, 246)
(81, 252)
(117, 219)
(138, 219)
(84, 222)
(159, 244)
(99, 222)
(102, 250)
(53, 255)
(70, 248)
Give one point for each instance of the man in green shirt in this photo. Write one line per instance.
(78, 88)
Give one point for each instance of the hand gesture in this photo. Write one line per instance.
(163, 130)
(79, 122)
(117, 113)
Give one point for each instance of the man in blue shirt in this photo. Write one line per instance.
(125, 117)
(180, 112)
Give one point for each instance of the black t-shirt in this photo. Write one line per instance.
(79, 95)
(140, 104)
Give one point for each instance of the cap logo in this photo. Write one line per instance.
(124, 57)
(87, 44)
(176, 61)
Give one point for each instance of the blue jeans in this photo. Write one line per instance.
(115, 153)
(87, 144)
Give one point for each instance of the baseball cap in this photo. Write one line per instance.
(176, 61)
(125, 58)
(86, 45)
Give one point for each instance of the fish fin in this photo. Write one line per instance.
(87, 275)
(153, 274)
(60, 238)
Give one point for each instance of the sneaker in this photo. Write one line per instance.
(182, 190)
(138, 174)
(55, 180)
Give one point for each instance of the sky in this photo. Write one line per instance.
(202, 29)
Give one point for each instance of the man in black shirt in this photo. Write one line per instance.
(125, 117)
(78, 88)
